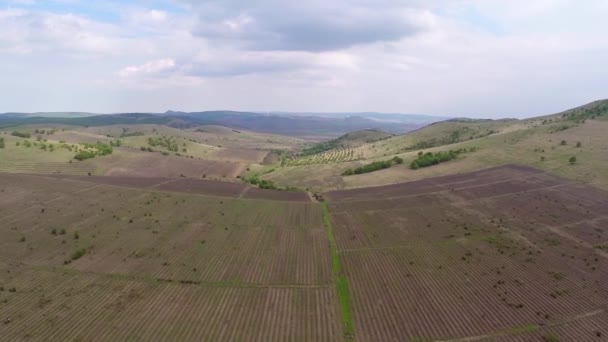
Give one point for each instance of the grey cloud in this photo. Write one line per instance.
(307, 25)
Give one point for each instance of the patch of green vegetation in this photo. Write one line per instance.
(21, 134)
(550, 338)
(430, 158)
(93, 150)
(1, 142)
(374, 166)
(170, 143)
(79, 253)
(340, 279)
(266, 184)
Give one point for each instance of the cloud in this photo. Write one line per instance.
(31, 31)
(150, 68)
(307, 25)
(460, 57)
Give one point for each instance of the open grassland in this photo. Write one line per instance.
(508, 253)
(84, 260)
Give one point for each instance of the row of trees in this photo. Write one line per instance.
(21, 134)
(374, 166)
(430, 158)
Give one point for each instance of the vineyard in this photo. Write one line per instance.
(338, 155)
(516, 255)
(82, 260)
(506, 254)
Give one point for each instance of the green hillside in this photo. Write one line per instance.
(546, 142)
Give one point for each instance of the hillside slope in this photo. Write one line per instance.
(546, 142)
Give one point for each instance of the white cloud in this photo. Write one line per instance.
(465, 57)
(149, 68)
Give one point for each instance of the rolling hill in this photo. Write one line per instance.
(546, 142)
(293, 125)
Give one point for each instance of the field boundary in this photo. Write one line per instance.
(340, 280)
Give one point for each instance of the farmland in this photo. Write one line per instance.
(516, 254)
(508, 252)
(155, 265)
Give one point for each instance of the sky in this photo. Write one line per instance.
(475, 58)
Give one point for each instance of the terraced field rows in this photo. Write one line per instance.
(47, 168)
(160, 265)
(448, 259)
(338, 155)
(95, 308)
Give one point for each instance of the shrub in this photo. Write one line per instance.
(578, 144)
(374, 166)
(430, 158)
(79, 253)
(564, 142)
(21, 134)
(572, 160)
(550, 338)
(82, 155)
(2, 143)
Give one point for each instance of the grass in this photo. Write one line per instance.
(340, 279)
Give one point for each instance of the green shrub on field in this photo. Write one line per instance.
(93, 150)
(430, 158)
(377, 165)
(2, 143)
(21, 134)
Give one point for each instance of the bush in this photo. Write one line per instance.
(564, 142)
(430, 158)
(21, 134)
(79, 253)
(82, 155)
(572, 160)
(2, 143)
(578, 144)
(374, 166)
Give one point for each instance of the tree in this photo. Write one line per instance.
(572, 160)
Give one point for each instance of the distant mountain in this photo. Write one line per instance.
(388, 117)
(299, 124)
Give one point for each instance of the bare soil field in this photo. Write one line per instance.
(90, 261)
(508, 253)
(125, 162)
(503, 254)
(189, 185)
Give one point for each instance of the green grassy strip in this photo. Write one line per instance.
(340, 279)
